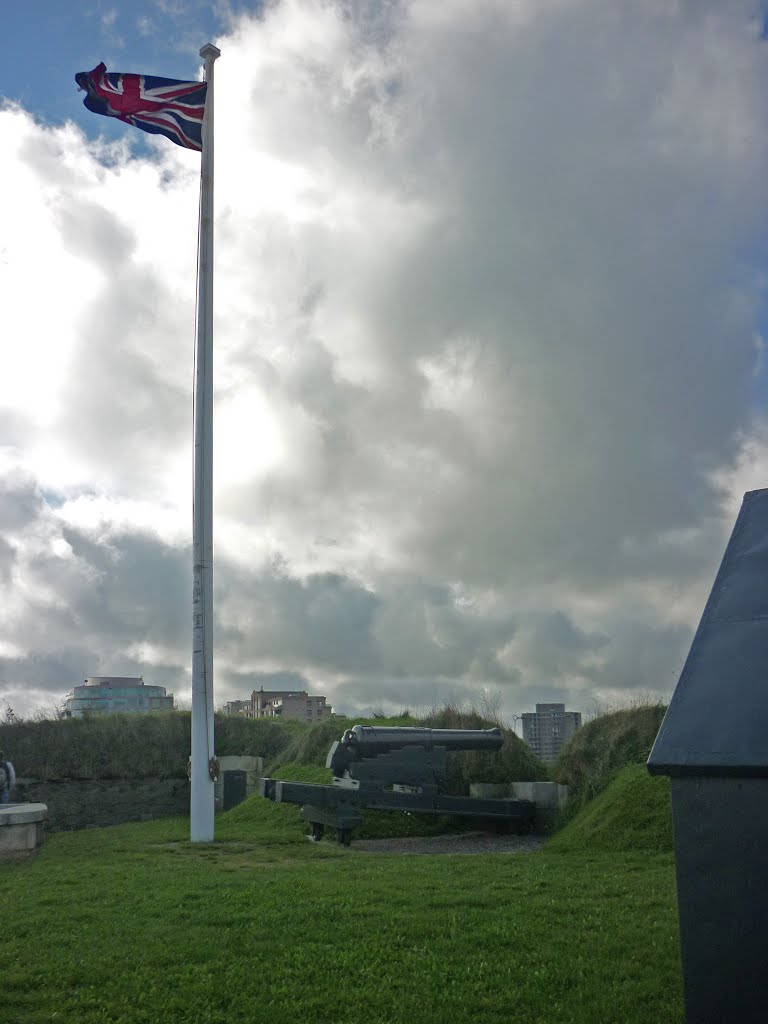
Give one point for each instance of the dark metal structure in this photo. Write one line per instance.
(394, 769)
(235, 788)
(713, 743)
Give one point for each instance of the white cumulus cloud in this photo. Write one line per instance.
(488, 285)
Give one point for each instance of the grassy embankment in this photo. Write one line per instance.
(131, 746)
(141, 746)
(633, 813)
(602, 748)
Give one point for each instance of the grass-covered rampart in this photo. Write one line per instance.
(130, 746)
(310, 744)
(158, 745)
(601, 748)
(633, 813)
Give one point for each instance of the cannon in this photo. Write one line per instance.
(394, 769)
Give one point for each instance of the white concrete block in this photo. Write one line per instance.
(21, 830)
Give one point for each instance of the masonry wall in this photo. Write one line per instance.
(75, 804)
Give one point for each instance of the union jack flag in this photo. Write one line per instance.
(162, 106)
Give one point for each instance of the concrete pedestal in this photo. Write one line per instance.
(21, 830)
(548, 797)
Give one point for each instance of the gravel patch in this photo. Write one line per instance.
(465, 843)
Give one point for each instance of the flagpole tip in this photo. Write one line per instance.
(210, 52)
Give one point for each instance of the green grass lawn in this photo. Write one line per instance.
(134, 924)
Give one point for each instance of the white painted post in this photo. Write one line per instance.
(202, 793)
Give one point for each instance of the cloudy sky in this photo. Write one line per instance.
(490, 374)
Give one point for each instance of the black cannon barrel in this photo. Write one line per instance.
(373, 739)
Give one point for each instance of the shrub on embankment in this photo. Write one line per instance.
(633, 813)
(601, 748)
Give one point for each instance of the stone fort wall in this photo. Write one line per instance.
(75, 803)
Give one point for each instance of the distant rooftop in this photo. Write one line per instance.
(116, 681)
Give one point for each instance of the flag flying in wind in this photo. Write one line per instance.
(163, 106)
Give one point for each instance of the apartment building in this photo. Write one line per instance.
(105, 695)
(548, 729)
(296, 704)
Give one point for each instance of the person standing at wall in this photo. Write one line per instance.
(7, 779)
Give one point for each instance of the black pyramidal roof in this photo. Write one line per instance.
(717, 720)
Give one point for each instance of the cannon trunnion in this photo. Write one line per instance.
(394, 769)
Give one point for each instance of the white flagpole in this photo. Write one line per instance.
(202, 800)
